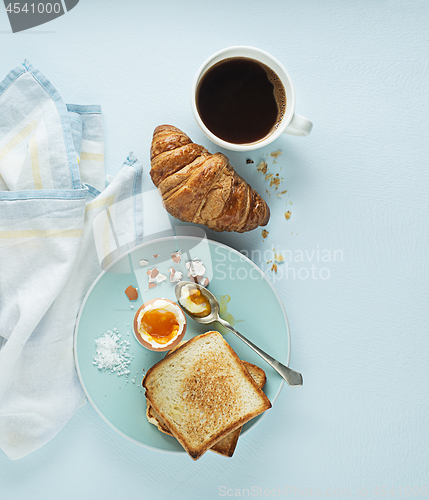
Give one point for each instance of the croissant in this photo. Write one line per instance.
(200, 187)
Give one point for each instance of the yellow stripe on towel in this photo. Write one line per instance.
(42, 233)
(17, 139)
(97, 203)
(35, 163)
(91, 157)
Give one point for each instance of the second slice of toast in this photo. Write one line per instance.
(202, 391)
(226, 445)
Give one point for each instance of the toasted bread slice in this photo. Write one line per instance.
(257, 373)
(225, 446)
(202, 391)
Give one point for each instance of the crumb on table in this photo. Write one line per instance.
(275, 181)
(278, 257)
(262, 167)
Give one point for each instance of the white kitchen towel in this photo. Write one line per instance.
(52, 188)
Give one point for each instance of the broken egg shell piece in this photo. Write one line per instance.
(143, 262)
(203, 281)
(176, 257)
(152, 273)
(131, 293)
(155, 276)
(160, 278)
(175, 276)
(195, 268)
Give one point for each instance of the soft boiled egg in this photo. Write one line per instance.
(194, 301)
(159, 324)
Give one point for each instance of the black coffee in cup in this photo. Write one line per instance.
(241, 100)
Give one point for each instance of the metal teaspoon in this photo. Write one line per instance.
(292, 377)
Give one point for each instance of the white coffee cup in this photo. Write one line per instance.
(291, 122)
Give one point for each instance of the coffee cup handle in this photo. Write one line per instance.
(299, 125)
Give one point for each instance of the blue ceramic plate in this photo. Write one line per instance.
(254, 304)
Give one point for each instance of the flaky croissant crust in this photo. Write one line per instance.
(202, 188)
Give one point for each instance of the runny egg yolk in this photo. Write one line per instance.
(199, 299)
(160, 325)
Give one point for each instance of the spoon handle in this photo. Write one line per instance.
(292, 377)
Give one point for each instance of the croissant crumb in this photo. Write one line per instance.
(202, 188)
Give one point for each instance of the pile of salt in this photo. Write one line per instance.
(111, 353)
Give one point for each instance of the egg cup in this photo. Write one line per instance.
(174, 341)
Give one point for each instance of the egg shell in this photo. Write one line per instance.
(161, 347)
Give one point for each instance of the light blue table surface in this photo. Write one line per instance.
(357, 239)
